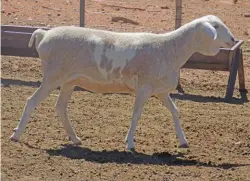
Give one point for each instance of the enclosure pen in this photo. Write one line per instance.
(72, 107)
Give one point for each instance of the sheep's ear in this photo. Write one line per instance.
(210, 30)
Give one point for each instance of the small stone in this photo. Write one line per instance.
(154, 172)
(246, 33)
(246, 153)
(42, 24)
(237, 143)
(165, 7)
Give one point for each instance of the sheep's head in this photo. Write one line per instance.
(214, 34)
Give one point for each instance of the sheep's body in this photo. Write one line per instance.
(109, 62)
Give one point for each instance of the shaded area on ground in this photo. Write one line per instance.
(184, 96)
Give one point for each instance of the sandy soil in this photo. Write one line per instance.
(218, 132)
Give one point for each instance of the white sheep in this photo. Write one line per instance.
(143, 64)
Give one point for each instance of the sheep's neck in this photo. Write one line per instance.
(184, 45)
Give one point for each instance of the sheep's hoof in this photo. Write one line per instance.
(132, 150)
(78, 143)
(184, 146)
(14, 138)
(76, 140)
(130, 147)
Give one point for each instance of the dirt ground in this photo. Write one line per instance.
(218, 132)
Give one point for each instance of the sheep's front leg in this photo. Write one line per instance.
(167, 101)
(143, 94)
(61, 109)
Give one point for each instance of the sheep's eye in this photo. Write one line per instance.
(216, 26)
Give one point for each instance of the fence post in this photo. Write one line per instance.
(232, 75)
(178, 9)
(82, 13)
(241, 74)
(178, 5)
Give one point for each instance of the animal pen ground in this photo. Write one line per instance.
(218, 132)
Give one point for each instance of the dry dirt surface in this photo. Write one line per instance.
(218, 132)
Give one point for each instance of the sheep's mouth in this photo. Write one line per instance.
(228, 44)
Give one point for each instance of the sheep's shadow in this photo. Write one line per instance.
(125, 157)
(7, 82)
(200, 98)
(181, 96)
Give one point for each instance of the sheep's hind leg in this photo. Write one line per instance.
(142, 96)
(42, 92)
(61, 109)
(167, 101)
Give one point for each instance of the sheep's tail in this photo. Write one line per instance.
(38, 35)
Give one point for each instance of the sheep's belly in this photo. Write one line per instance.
(97, 87)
